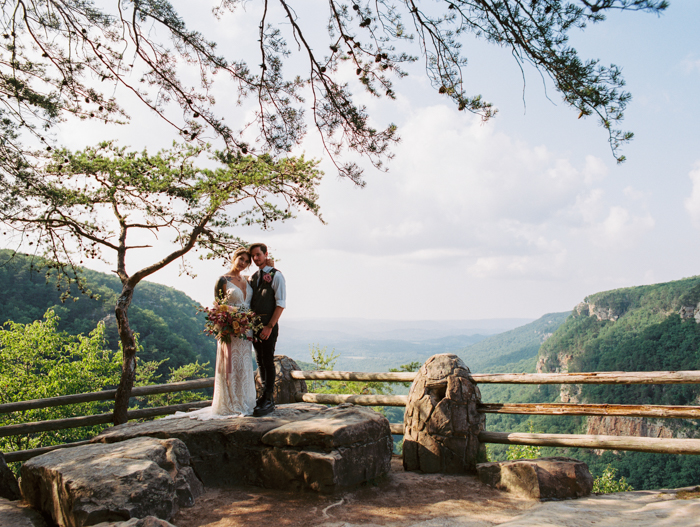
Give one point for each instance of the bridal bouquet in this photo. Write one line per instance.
(226, 322)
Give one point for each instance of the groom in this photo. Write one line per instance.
(268, 301)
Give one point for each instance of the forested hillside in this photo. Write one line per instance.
(645, 328)
(166, 319)
(516, 348)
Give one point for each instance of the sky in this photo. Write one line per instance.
(518, 217)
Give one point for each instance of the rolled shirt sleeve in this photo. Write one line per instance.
(280, 288)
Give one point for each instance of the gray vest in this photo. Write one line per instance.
(263, 302)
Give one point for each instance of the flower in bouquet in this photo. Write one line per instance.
(226, 322)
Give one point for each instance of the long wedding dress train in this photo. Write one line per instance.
(234, 384)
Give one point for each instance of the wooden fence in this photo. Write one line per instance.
(640, 444)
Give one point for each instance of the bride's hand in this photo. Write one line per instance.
(270, 262)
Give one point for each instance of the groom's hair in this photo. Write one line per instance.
(262, 246)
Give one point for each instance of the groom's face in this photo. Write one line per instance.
(259, 257)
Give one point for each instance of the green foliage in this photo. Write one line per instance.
(87, 197)
(524, 451)
(37, 362)
(648, 335)
(40, 361)
(608, 483)
(643, 470)
(325, 361)
(167, 320)
(511, 346)
(186, 372)
(411, 366)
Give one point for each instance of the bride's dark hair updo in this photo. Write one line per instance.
(238, 252)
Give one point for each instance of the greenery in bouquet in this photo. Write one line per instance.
(226, 322)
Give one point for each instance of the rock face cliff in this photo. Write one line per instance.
(646, 328)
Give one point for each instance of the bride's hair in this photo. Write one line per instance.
(238, 252)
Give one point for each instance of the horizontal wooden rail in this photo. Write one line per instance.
(605, 377)
(629, 410)
(361, 400)
(354, 376)
(650, 377)
(637, 444)
(601, 377)
(105, 395)
(98, 419)
(396, 428)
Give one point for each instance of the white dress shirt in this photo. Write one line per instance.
(278, 286)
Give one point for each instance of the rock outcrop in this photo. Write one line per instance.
(589, 309)
(17, 514)
(89, 484)
(441, 423)
(601, 425)
(9, 488)
(690, 312)
(298, 446)
(626, 426)
(286, 388)
(548, 478)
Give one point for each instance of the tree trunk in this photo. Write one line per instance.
(126, 336)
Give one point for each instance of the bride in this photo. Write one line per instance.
(234, 385)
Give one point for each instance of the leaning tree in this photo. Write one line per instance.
(86, 203)
(60, 57)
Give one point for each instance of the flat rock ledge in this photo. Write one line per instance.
(90, 484)
(298, 446)
(547, 478)
(18, 514)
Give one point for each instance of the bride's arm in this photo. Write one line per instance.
(220, 290)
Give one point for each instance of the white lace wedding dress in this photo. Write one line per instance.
(234, 384)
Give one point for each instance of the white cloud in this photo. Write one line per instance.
(692, 203)
(621, 229)
(464, 194)
(690, 64)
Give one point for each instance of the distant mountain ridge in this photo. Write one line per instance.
(512, 347)
(377, 345)
(384, 329)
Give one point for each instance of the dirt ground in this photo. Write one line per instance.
(400, 499)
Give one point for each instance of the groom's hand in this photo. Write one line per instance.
(265, 333)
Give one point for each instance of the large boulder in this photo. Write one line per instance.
(547, 478)
(286, 388)
(298, 446)
(441, 423)
(18, 514)
(9, 488)
(89, 484)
